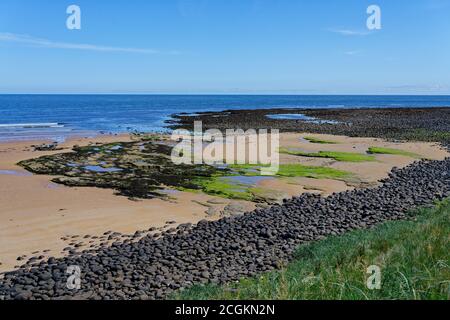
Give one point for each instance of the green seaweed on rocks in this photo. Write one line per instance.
(319, 141)
(235, 187)
(297, 170)
(225, 188)
(144, 169)
(381, 150)
(138, 169)
(338, 156)
(426, 135)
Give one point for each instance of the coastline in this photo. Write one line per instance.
(229, 249)
(36, 213)
(40, 218)
(171, 247)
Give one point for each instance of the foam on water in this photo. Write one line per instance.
(32, 125)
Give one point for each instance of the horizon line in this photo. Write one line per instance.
(229, 94)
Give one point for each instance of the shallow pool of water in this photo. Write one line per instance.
(15, 173)
(299, 116)
(52, 185)
(246, 180)
(101, 169)
(170, 191)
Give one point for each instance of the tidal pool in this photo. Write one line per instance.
(299, 116)
(100, 169)
(246, 180)
(15, 173)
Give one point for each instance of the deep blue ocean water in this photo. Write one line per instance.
(59, 116)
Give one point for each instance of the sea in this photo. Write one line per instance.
(57, 117)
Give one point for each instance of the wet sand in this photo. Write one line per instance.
(36, 213)
(369, 172)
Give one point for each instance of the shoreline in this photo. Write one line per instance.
(38, 215)
(260, 241)
(82, 225)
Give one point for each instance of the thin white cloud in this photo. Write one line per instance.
(44, 43)
(348, 32)
(352, 52)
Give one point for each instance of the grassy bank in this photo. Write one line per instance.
(413, 257)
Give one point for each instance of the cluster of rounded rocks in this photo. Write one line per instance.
(228, 249)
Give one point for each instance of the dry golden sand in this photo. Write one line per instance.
(36, 213)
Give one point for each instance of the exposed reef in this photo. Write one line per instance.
(138, 169)
(421, 124)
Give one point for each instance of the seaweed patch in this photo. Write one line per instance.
(138, 169)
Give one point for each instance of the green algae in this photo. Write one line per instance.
(225, 189)
(319, 141)
(338, 156)
(381, 150)
(297, 170)
(144, 169)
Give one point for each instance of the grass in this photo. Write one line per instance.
(319, 141)
(413, 257)
(380, 150)
(338, 156)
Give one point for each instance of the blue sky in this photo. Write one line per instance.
(225, 46)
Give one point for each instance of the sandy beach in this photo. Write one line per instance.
(41, 218)
(36, 213)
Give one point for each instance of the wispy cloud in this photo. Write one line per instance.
(348, 32)
(352, 52)
(45, 43)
